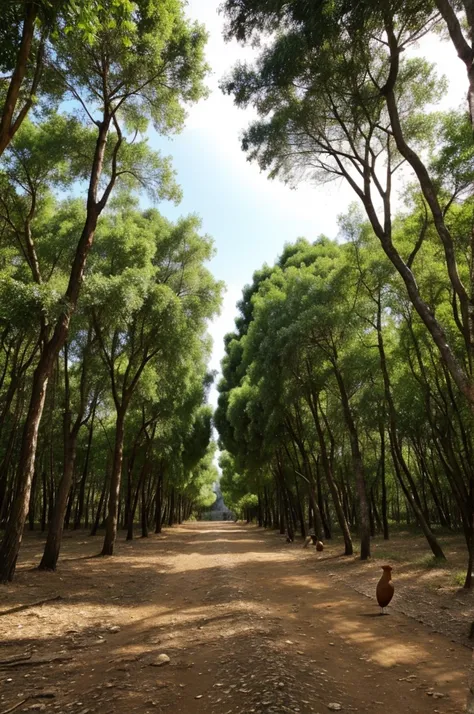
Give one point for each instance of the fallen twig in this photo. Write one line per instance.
(19, 608)
(15, 706)
(32, 661)
(16, 658)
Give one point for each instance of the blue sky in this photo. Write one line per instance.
(249, 217)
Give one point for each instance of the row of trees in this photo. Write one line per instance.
(333, 406)
(103, 353)
(349, 376)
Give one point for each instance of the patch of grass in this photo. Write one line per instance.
(430, 561)
(459, 577)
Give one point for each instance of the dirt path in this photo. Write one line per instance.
(248, 624)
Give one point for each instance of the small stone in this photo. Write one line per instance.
(114, 629)
(161, 660)
(334, 707)
(198, 696)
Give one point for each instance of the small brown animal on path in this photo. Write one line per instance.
(319, 546)
(385, 588)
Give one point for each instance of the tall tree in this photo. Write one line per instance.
(144, 63)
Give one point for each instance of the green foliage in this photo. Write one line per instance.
(129, 347)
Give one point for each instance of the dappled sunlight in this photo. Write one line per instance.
(207, 596)
(295, 581)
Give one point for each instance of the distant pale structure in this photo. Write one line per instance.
(219, 511)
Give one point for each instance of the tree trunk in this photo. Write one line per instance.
(171, 508)
(70, 502)
(13, 535)
(114, 495)
(364, 518)
(32, 508)
(327, 468)
(9, 125)
(386, 534)
(158, 502)
(326, 526)
(300, 510)
(132, 510)
(14, 530)
(89, 500)
(56, 525)
(82, 485)
(144, 514)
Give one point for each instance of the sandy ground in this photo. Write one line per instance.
(249, 623)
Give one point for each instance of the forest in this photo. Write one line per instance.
(346, 395)
(343, 413)
(104, 302)
(346, 399)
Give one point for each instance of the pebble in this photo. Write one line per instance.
(334, 707)
(160, 660)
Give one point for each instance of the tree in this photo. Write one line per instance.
(27, 50)
(160, 307)
(144, 64)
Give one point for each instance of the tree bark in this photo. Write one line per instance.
(9, 126)
(55, 530)
(14, 531)
(114, 494)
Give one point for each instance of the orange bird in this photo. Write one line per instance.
(385, 588)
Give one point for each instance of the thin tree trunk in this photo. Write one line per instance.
(56, 525)
(82, 485)
(171, 507)
(32, 509)
(144, 514)
(158, 501)
(132, 510)
(364, 518)
(386, 534)
(327, 468)
(114, 495)
(103, 492)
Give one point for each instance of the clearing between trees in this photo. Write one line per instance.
(249, 623)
